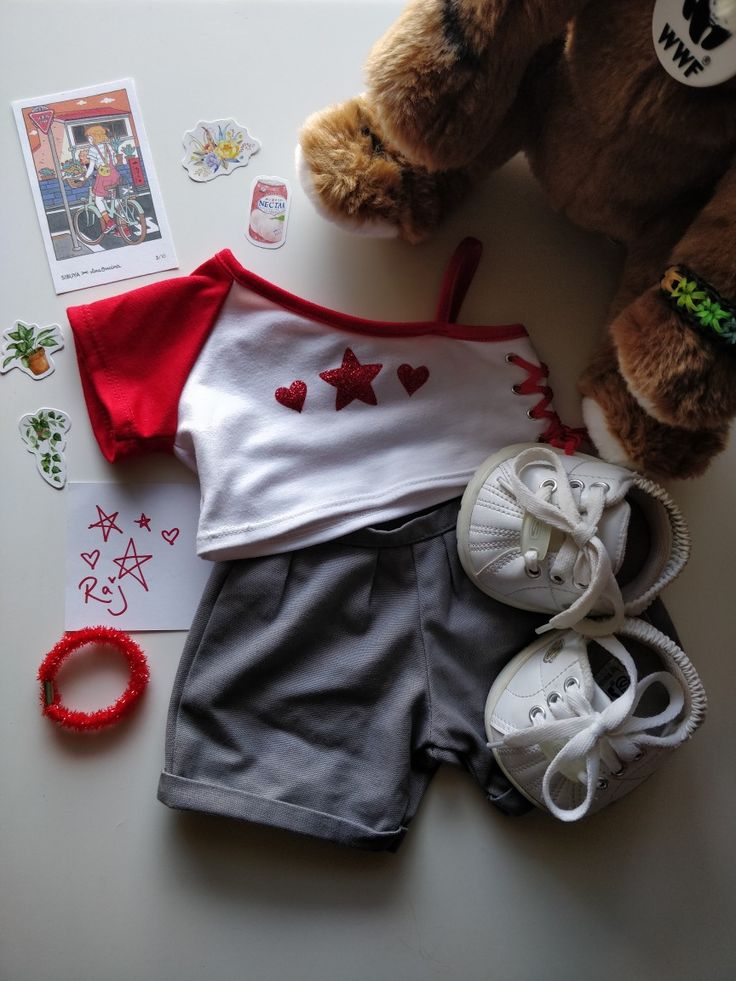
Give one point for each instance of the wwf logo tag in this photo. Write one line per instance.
(693, 40)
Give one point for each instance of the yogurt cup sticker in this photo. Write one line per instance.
(268, 214)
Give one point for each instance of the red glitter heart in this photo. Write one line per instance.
(292, 397)
(412, 378)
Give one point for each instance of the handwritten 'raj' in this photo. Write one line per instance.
(130, 557)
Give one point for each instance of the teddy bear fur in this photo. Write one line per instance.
(457, 87)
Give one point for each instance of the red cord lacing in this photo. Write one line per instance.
(557, 433)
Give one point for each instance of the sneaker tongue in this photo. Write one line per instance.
(613, 531)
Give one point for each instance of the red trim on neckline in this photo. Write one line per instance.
(345, 321)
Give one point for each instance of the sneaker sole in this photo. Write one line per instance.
(497, 688)
(467, 505)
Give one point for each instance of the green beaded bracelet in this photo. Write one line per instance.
(699, 304)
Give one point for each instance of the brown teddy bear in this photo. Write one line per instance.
(626, 111)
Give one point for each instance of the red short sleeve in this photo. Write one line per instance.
(135, 352)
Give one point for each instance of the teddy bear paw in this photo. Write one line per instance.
(359, 181)
(678, 375)
(625, 434)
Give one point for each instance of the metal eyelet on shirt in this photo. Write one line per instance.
(536, 712)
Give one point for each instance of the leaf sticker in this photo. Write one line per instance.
(28, 347)
(43, 433)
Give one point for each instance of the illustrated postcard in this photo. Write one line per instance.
(94, 185)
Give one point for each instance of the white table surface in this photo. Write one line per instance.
(98, 880)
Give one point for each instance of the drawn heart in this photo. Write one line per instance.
(412, 378)
(91, 558)
(111, 578)
(292, 397)
(170, 536)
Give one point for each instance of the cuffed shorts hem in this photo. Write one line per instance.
(192, 795)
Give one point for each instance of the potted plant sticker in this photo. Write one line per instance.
(28, 347)
(43, 433)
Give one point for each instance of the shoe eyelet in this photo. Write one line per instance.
(536, 712)
(532, 574)
(553, 698)
(601, 483)
(549, 482)
(581, 585)
(558, 580)
(602, 784)
(620, 772)
(639, 755)
(510, 358)
(577, 484)
(571, 682)
(515, 390)
(531, 414)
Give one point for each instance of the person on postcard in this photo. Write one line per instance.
(101, 162)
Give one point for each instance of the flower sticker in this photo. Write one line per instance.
(217, 147)
(29, 347)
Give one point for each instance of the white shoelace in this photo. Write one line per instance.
(582, 557)
(614, 736)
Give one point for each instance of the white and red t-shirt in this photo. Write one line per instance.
(302, 423)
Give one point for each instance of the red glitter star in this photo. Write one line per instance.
(136, 561)
(143, 522)
(106, 522)
(352, 380)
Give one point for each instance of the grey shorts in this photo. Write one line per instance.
(319, 690)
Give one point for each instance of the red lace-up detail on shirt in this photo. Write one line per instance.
(557, 433)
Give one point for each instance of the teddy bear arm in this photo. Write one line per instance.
(676, 343)
(444, 77)
(708, 246)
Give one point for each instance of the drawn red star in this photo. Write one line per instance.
(136, 561)
(143, 522)
(352, 380)
(106, 522)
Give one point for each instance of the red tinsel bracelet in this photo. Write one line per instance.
(51, 699)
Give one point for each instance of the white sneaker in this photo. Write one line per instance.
(542, 530)
(577, 722)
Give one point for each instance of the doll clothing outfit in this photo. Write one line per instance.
(339, 653)
(304, 424)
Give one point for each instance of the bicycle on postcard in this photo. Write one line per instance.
(126, 213)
